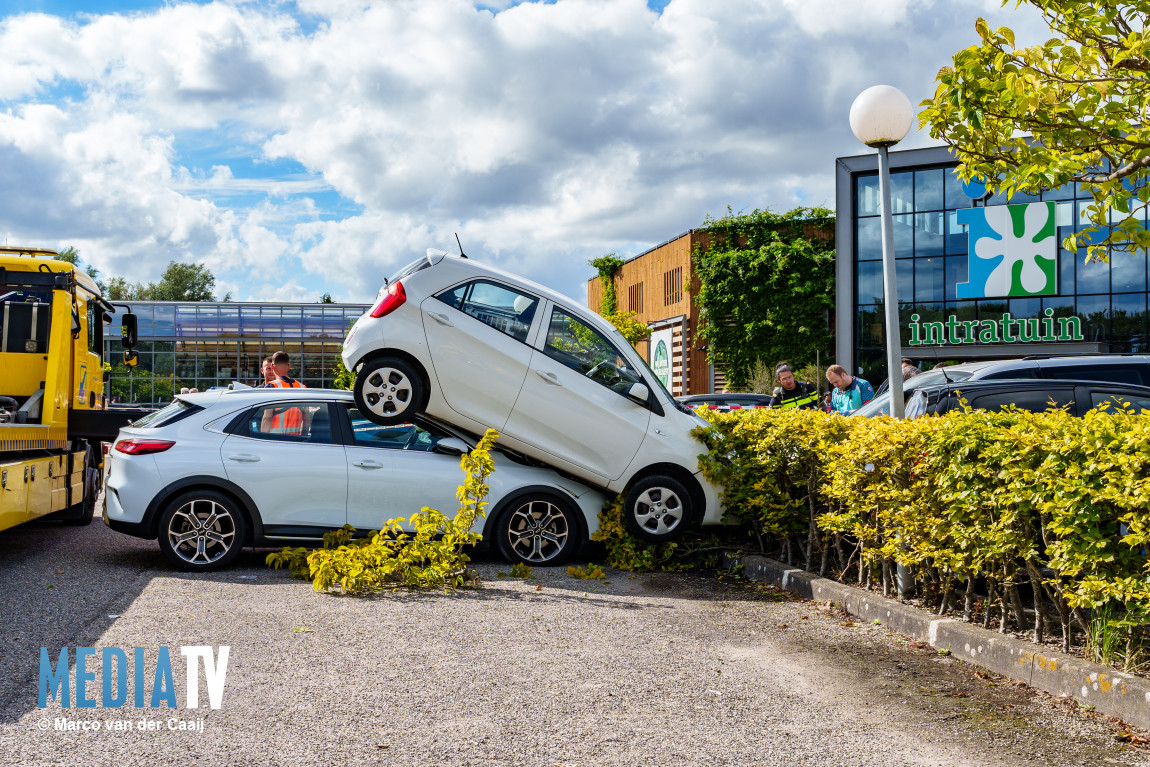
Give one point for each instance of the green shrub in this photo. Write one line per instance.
(431, 555)
(1009, 495)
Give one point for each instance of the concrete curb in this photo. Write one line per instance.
(1111, 692)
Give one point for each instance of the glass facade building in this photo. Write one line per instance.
(206, 344)
(933, 259)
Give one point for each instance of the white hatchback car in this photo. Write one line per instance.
(480, 348)
(219, 470)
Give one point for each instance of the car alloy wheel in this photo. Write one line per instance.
(201, 531)
(658, 509)
(388, 391)
(538, 530)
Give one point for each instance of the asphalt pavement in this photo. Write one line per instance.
(637, 670)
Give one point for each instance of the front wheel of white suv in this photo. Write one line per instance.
(657, 509)
(539, 530)
(389, 391)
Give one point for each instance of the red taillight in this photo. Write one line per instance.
(735, 407)
(391, 300)
(143, 446)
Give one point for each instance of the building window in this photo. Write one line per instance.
(673, 286)
(635, 298)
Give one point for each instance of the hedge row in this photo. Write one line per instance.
(975, 503)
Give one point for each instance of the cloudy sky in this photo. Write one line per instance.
(305, 147)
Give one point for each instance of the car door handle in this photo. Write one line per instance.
(244, 458)
(441, 319)
(549, 377)
(368, 465)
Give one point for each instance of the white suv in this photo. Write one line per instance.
(220, 470)
(479, 348)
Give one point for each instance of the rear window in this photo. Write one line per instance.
(165, 416)
(1128, 374)
(420, 263)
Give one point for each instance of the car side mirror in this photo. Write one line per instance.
(128, 332)
(131, 358)
(639, 393)
(451, 446)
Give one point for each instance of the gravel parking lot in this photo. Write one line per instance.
(659, 670)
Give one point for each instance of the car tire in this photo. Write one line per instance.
(539, 530)
(658, 509)
(201, 530)
(389, 391)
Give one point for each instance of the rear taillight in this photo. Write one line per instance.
(391, 300)
(143, 446)
(735, 407)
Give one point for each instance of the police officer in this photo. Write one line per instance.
(791, 393)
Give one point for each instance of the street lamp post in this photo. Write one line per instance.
(881, 117)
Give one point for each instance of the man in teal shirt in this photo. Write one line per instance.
(850, 393)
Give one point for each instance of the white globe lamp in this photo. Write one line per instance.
(881, 116)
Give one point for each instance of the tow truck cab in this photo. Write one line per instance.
(52, 403)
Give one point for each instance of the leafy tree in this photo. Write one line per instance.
(179, 282)
(632, 329)
(1070, 109)
(766, 289)
(326, 299)
(72, 256)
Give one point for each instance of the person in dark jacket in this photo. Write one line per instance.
(791, 393)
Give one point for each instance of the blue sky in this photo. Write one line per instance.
(314, 146)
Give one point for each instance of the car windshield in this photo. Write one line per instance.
(881, 405)
(620, 340)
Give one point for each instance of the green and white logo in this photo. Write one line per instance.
(661, 363)
(1012, 251)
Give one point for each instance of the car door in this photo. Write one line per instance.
(392, 471)
(284, 457)
(477, 338)
(573, 404)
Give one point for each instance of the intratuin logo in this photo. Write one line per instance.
(1013, 251)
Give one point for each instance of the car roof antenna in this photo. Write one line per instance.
(460, 244)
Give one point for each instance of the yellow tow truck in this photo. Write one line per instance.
(53, 412)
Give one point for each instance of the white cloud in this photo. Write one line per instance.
(545, 134)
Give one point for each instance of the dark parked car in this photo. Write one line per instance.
(1116, 368)
(725, 403)
(1033, 395)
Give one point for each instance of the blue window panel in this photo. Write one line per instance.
(1095, 313)
(271, 321)
(1128, 322)
(904, 236)
(1065, 192)
(902, 192)
(929, 280)
(869, 282)
(928, 189)
(866, 196)
(164, 321)
(187, 325)
(868, 239)
(928, 234)
(208, 318)
(953, 195)
(1026, 307)
(904, 272)
(956, 235)
(293, 322)
(957, 270)
(1127, 271)
(1091, 276)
